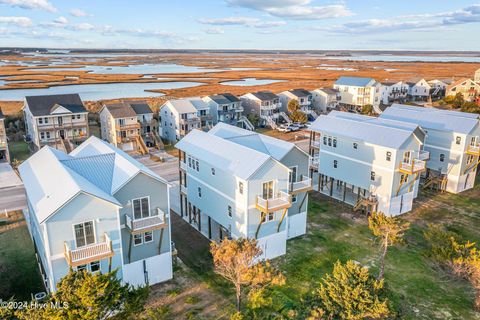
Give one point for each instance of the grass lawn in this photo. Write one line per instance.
(19, 274)
(18, 150)
(417, 289)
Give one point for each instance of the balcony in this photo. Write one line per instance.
(279, 201)
(189, 121)
(130, 126)
(88, 253)
(272, 106)
(314, 162)
(183, 189)
(315, 144)
(151, 223)
(304, 185)
(415, 166)
(473, 150)
(423, 155)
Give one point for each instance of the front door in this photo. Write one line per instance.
(268, 190)
(62, 134)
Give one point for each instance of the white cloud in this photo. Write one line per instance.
(61, 20)
(31, 4)
(419, 22)
(79, 13)
(17, 21)
(83, 26)
(294, 9)
(214, 31)
(242, 21)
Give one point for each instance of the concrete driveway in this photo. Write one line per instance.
(8, 177)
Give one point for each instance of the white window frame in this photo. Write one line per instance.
(141, 239)
(94, 232)
(145, 237)
(133, 207)
(99, 266)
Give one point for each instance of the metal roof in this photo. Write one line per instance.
(235, 158)
(44, 105)
(273, 147)
(188, 105)
(224, 98)
(354, 81)
(364, 128)
(52, 178)
(120, 110)
(141, 108)
(300, 92)
(265, 95)
(433, 118)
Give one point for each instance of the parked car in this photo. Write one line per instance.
(293, 127)
(308, 124)
(299, 124)
(284, 128)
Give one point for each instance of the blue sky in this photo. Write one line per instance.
(241, 24)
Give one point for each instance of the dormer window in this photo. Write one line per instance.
(458, 140)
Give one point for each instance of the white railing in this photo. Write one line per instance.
(316, 143)
(314, 162)
(413, 167)
(183, 165)
(423, 155)
(148, 223)
(304, 184)
(279, 201)
(285, 117)
(91, 252)
(183, 189)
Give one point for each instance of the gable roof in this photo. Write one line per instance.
(328, 90)
(460, 82)
(224, 98)
(433, 118)
(265, 95)
(52, 178)
(44, 105)
(273, 147)
(120, 110)
(141, 107)
(188, 105)
(364, 128)
(300, 92)
(235, 158)
(353, 81)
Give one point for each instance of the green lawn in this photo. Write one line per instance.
(18, 150)
(19, 274)
(417, 289)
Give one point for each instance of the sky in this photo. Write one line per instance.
(242, 24)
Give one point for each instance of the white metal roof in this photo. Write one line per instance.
(273, 147)
(241, 161)
(433, 118)
(52, 177)
(364, 128)
(188, 105)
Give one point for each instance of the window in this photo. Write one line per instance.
(148, 236)
(189, 162)
(137, 239)
(196, 164)
(325, 140)
(470, 159)
(403, 178)
(389, 156)
(355, 145)
(230, 211)
(82, 267)
(40, 120)
(141, 208)
(78, 116)
(294, 198)
(42, 135)
(292, 177)
(442, 157)
(267, 217)
(48, 135)
(372, 175)
(334, 142)
(84, 234)
(329, 141)
(46, 120)
(335, 163)
(95, 266)
(458, 140)
(199, 192)
(73, 117)
(240, 187)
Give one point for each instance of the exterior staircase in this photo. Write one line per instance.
(285, 117)
(157, 140)
(142, 146)
(313, 114)
(377, 109)
(270, 122)
(66, 145)
(248, 125)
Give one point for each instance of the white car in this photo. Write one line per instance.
(284, 128)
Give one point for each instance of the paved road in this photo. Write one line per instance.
(12, 199)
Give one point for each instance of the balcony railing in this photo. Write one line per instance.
(316, 143)
(183, 189)
(88, 253)
(157, 221)
(130, 126)
(304, 185)
(189, 120)
(314, 162)
(415, 166)
(281, 200)
(271, 107)
(423, 155)
(473, 150)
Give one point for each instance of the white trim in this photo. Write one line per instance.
(444, 149)
(145, 241)
(141, 210)
(141, 238)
